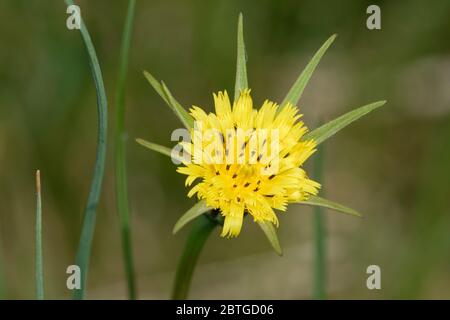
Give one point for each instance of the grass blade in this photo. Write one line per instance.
(296, 91)
(2, 277)
(87, 232)
(39, 271)
(241, 68)
(198, 209)
(120, 153)
(330, 128)
(321, 202)
(165, 94)
(201, 229)
(319, 233)
(271, 233)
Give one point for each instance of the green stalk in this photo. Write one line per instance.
(120, 153)
(201, 229)
(319, 233)
(2, 280)
(87, 232)
(39, 272)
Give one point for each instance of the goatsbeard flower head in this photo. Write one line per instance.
(244, 161)
(252, 163)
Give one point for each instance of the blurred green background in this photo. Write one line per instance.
(393, 165)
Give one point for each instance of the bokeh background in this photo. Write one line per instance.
(393, 165)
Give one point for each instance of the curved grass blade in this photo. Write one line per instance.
(198, 209)
(241, 68)
(330, 128)
(296, 91)
(165, 94)
(87, 232)
(2, 278)
(318, 201)
(201, 229)
(271, 233)
(120, 153)
(39, 269)
(158, 148)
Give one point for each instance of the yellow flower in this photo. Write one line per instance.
(248, 160)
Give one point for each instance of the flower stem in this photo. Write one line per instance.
(319, 230)
(90, 214)
(201, 229)
(39, 273)
(120, 154)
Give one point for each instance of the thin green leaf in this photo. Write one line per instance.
(159, 148)
(330, 128)
(120, 153)
(318, 201)
(271, 233)
(296, 91)
(198, 209)
(241, 68)
(2, 278)
(181, 113)
(201, 229)
(156, 85)
(166, 95)
(39, 269)
(87, 232)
